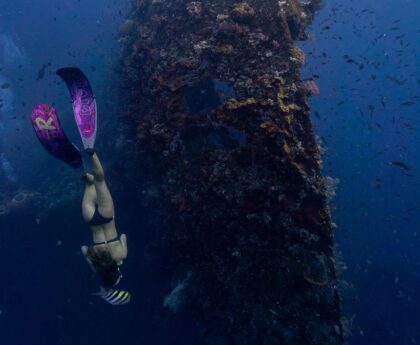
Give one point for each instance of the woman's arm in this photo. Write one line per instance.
(122, 250)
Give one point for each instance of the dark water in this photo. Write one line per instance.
(363, 56)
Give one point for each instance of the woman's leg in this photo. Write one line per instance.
(89, 198)
(104, 198)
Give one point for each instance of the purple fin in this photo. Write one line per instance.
(49, 132)
(84, 104)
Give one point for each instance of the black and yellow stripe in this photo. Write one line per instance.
(116, 297)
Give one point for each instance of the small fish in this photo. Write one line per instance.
(114, 297)
(41, 72)
(400, 164)
(92, 68)
(5, 85)
(395, 80)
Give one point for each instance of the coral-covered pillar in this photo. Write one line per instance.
(226, 140)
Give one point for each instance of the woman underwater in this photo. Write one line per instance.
(108, 250)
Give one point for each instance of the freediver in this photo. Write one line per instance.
(108, 250)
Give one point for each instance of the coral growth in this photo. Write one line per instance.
(225, 140)
(297, 55)
(194, 9)
(242, 12)
(312, 88)
(176, 298)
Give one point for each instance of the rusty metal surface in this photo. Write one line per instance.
(227, 145)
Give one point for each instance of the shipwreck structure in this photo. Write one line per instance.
(227, 146)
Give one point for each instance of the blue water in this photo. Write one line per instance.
(364, 125)
(363, 56)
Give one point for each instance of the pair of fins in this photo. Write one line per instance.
(47, 126)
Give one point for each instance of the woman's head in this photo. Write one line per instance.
(104, 265)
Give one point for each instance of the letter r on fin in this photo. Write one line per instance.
(41, 124)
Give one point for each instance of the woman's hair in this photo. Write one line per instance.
(104, 265)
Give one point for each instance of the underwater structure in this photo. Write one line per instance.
(226, 144)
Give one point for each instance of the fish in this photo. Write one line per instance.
(395, 80)
(400, 164)
(5, 85)
(41, 72)
(114, 297)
